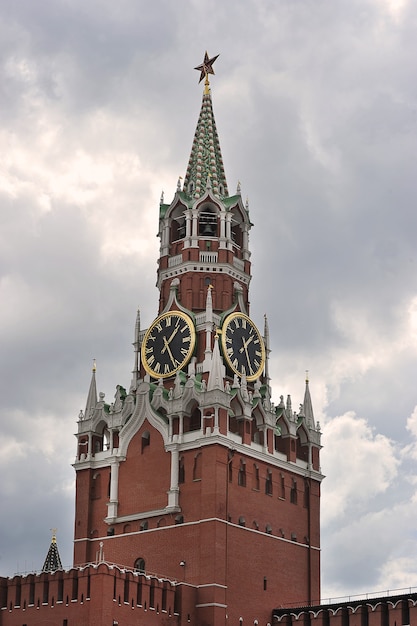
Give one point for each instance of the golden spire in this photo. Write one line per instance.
(206, 86)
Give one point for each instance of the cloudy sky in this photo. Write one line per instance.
(316, 108)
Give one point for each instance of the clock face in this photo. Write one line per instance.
(168, 344)
(243, 346)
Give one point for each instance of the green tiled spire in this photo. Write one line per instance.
(206, 161)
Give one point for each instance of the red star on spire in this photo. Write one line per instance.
(206, 67)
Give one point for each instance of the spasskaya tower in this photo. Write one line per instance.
(192, 474)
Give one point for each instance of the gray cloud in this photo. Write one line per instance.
(316, 111)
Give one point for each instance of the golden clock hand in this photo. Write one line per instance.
(169, 351)
(245, 347)
(168, 341)
(246, 343)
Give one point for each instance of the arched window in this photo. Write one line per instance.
(268, 483)
(293, 494)
(181, 471)
(306, 494)
(195, 419)
(197, 466)
(241, 477)
(255, 477)
(139, 565)
(96, 486)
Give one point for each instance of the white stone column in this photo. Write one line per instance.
(222, 225)
(245, 237)
(173, 492)
(216, 421)
(229, 230)
(194, 223)
(188, 224)
(114, 491)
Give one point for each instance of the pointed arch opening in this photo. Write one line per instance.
(178, 224)
(241, 476)
(302, 445)
(207, 221)
(193, 420)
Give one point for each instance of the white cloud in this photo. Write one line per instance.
(359, 464)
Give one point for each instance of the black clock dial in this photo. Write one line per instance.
(168, 344)
(243, 346)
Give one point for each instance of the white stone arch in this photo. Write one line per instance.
(143, 410)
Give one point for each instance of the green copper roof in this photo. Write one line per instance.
(205, 159)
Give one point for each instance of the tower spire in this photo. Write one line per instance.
(53, 560)
(308, 405)
(92, 392)
(206, 160)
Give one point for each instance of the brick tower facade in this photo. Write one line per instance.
(194, 474)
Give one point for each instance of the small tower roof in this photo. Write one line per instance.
(217, 370)
(53, 560)
(92, 393)
(308, 406)
(206, 163)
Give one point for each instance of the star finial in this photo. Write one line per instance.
(206, 67)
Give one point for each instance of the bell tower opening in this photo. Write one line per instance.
(177, 230)
(207, 221)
